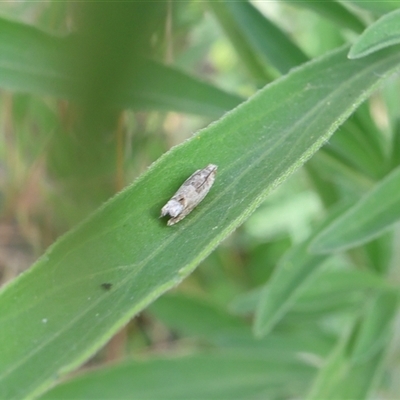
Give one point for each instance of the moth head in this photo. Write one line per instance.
(173, 208)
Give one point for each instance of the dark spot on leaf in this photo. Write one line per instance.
(106, 286)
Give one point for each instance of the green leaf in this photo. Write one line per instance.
(332, 10)
(353, 369)
(331, 291)
(395, 153)
(375, 327)
(357, 144)
(33, 62)
(340, 378)
(246, 54)
(214, 376)
(328, 291)
(265, 37)
(166, 88)
(342, 175)
(285, 287)
(289, 280)
(376, 7)
(194, 318)
(383, 33)
(375, 213)
(93, 280)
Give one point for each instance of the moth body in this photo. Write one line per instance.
(190, 194)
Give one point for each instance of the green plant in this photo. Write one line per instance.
(323, 319)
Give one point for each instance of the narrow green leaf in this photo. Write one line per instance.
(195, 318)
(328, 291)
(285, 286)
(354, 367)
(383, 33)
(376, 212)
(375, 326)
(214, 376)
(32, 61)
(358, 144)
(340, 378)
(162, 87)
(391, 96)
(395, 153)
(289, 280)
(325, 189)
(330, 374)
(60, 311)
(334, 11)
(378, 254)
(375, 7)
(265, 37)
(246, 54)
(362, 378)
(342, 175)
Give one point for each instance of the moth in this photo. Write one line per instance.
(190, 194)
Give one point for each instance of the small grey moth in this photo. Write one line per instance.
(190, 194)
